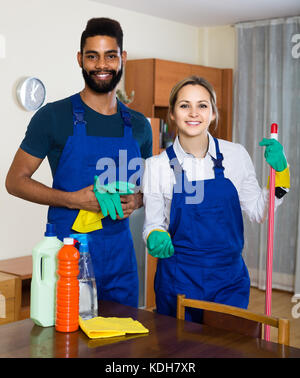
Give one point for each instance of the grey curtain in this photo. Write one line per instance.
(267, 90)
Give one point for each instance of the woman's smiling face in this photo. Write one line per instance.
(193, 111)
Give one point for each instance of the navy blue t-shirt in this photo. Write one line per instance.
(50, 127)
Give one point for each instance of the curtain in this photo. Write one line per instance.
(267, 90)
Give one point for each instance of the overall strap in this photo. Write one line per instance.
(78, 114)
(218, 167)
(174, 164)
(171, 153)
(126, 117)
(78, 109)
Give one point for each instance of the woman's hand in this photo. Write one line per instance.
(274, 154)
(159, 244)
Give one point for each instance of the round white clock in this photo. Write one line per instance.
(31, 93)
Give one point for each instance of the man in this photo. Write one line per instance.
(75, 134)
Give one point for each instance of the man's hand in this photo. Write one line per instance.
(108, 196)
(130, 202)
(84, 199)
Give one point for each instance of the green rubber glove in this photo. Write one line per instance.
(108, 196)
(274, 154)
(160, 245)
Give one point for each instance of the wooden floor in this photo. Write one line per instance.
(281, 307)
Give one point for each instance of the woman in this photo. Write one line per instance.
(194, 194)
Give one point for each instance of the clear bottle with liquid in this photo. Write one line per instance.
(88, 301)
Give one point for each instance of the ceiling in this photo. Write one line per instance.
(210, 12)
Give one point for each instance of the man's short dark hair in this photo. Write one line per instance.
(102, 26)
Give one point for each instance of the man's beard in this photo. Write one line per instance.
(104, 86)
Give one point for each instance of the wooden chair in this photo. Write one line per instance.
(234, 319)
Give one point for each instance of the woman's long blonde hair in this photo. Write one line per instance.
(192, 80)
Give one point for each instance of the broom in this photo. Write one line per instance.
(274, 135)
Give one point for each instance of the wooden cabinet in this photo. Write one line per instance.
(10, 298)
(19, 268)
(166, 74)
(153, 79)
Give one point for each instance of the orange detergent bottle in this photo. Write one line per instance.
(67, 289)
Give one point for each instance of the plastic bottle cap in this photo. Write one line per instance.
(50, 230)
(274, 128)
(68, 241)
(82, 240)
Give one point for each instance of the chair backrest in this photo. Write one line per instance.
(234, 318)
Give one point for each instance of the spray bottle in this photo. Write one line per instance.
(43, 282)
(88, 302)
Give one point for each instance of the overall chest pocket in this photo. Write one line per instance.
(209, 228)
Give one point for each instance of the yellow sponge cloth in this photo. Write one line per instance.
(88, 221)
(101, 327)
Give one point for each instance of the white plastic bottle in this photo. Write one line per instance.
(43, 282)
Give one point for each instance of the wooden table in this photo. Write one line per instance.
(19, 266)
(168, 338)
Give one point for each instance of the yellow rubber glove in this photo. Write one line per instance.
(88, 221)
(282, 179)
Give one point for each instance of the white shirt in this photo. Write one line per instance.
(159, 179)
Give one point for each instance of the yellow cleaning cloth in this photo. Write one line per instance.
(88, 221)
(101, 327)
(282, 179)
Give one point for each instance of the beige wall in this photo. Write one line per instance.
(42, 38)
(217, 46)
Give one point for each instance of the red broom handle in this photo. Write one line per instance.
(274, 134)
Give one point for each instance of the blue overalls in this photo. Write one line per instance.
(111, 248)
(208, 241)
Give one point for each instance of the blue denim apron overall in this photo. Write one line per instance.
(208, 239)
(111, 248)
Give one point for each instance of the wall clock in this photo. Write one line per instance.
(31, 93)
